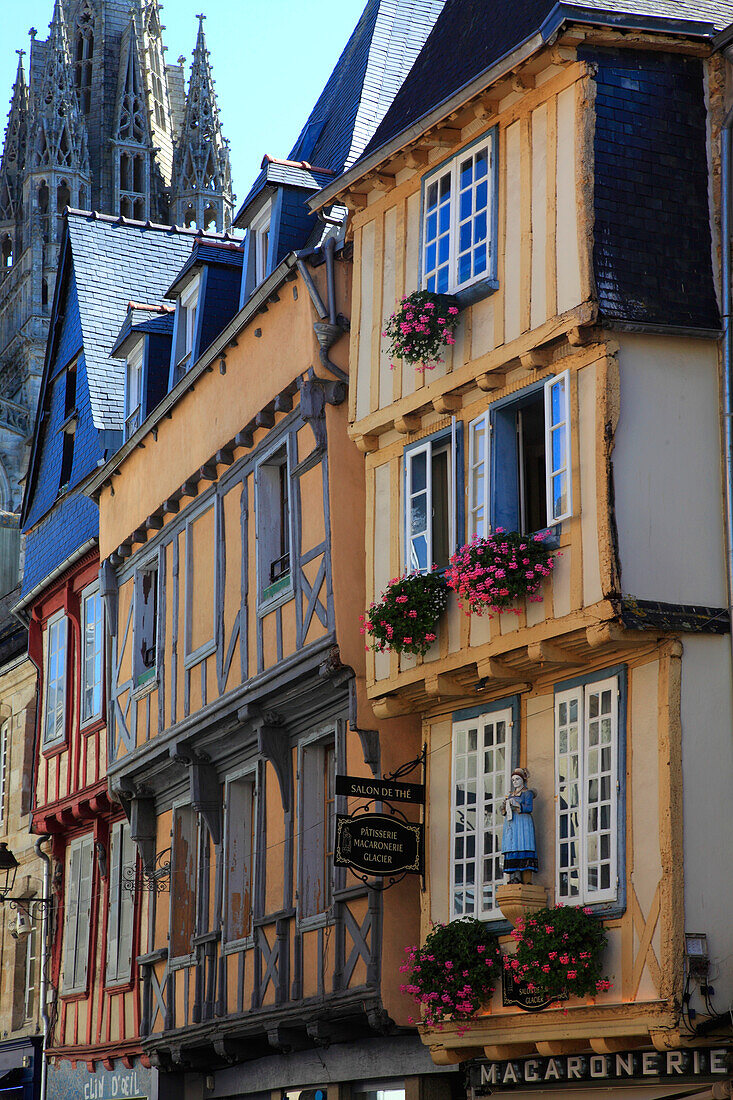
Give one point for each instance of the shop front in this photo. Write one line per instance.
(20, 1069)
(69, 1080)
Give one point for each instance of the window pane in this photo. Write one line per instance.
(466, 173)
(482, 163)
(442, 282)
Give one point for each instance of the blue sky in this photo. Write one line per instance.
(270, 61)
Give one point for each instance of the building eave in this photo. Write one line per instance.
(561, 15)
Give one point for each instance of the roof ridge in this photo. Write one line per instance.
(151, 309)
(182, 230)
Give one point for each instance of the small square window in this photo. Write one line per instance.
(458, 220)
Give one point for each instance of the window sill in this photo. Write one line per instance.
(275, 594)
(606, 910)
(92, 725)
(145, 682)
(234, 947)
(74, 995)
(318, 920)
(54, 748)
(119, 985)
(476, 292)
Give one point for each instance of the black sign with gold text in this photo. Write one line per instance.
(377, 844)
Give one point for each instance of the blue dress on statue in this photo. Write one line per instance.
(518, 844)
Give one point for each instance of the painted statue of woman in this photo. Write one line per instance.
(518, 844)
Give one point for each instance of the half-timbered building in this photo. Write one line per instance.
(549, 166)
(91, 988)
(232, 565)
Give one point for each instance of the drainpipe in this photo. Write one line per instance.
(726, 180)
(43, 984)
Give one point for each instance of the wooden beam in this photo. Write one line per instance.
(244, 438)
(580, 335)
(504, 1052)
(444, 684)
(171, 505)
(491, 380)
(154, 522)
(208, 471)
(548, 653)
(447, 403)
(406, 424)
(494, 669)
(355, 201)
(225, 456)
(380, 181)
(553, 1048)
(283, 402)
(536, 359)
(389, 707)
(613, 633)
(367, 444)
(445, 135)
(523, 82)
(416, 158)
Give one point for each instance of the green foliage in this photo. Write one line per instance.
(406, 617)
(455, 971)
(558, 949)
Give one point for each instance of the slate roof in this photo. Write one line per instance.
(114, 261)
(225, 254)
(472, 35)
(379, 53)
(141, 320)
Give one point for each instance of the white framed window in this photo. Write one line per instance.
(479, 467)
(122, 868)
(145, 653)
(586, 792)
(30, 966)
(55, 702)
(188, 303)
(430, 502)
(317, 825)
(134, 389)
(483, 749)
(458, 220)
(260, 230)
(273, 524)
(78, 901)
(4, 749)
(557, 448)
(92, 649)
(519, 472)
(240, 831)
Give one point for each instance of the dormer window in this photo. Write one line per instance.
(186, 326)
(133, 390)
(260, 230)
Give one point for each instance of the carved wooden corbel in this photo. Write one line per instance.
(315, 394)
(108, 592)
(206, 794)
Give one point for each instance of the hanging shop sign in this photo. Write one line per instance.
(671, 1065)
(382, 790)
(377, 844)
(518, 993)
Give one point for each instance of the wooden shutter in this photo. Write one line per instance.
(70, 918)
(240, 816)
(419, 509)
(84, 912)
(557, 448)
(313, 852)
(113, 921)
(600, 784)
(568, 788)
(126, 904)
(183, 881)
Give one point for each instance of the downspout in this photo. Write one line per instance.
(43, 984)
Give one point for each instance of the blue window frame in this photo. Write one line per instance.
(459, 219)
(519, 473)
(433, 499)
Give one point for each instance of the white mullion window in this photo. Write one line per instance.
(479, 443)
(91, 657)
(78, 913)
(586, 756)
(54, 724)
(457, 222)
(557, 448)
(419, 539)
(134, 389)
(4, 732)
(31, 956)
(482, 761)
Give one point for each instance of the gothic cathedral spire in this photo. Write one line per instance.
(59, 132)
(131, 136)
(202, 194)
(11, 169)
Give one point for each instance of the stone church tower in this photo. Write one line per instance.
(102, 122)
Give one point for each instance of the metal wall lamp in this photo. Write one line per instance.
(8, 870)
